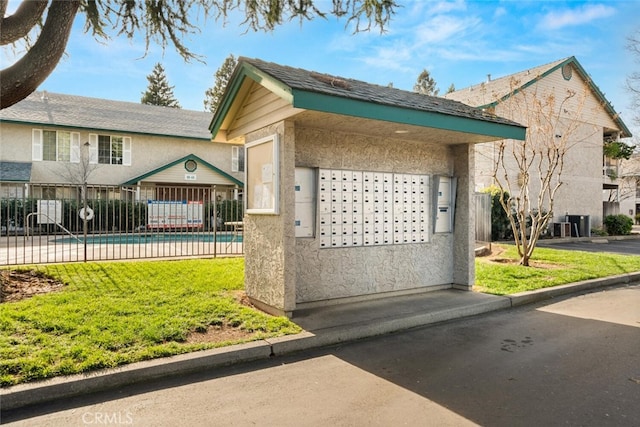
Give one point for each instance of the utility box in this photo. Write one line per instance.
(445, 188)
(305, 202)
(580, 225)
(561, 229)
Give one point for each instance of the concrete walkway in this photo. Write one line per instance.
(322, 327)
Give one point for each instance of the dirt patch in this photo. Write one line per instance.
(218, 334)
(224, 332)
(16, 285)
(496, 257)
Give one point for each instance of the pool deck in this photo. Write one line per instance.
(20, 250)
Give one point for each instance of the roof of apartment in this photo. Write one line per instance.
(493, 91)
(53, 109)
(323, 92)
(15, 171)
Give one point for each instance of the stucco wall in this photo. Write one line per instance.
(147, 153)
(346, 272)
(269, 241)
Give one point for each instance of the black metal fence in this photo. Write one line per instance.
(66, 223)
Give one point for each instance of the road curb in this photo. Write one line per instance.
(57, 388)
(530, 297)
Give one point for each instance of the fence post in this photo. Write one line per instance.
(84, 218)
(214, 205)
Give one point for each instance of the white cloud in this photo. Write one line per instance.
(583, 15)
(442, 28)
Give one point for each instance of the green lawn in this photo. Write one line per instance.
(551, 267)
(113, 313)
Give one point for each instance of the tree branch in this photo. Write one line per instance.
(18, 25)
(24, 77)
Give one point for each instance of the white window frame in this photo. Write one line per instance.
(126, 150)
(236, 153)
(37, 146)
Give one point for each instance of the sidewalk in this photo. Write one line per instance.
(322, 327)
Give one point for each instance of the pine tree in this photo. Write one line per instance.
(425, 84)
(213, 95)
(452, 88)
(159, 92)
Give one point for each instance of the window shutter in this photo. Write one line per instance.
(75, 148)
(126, 151)
(240, 159)
(36, 145)
(93, 148)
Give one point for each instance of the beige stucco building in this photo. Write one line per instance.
(57, 139)
(560, 105)
(352, 190)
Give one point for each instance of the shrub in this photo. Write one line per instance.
(618, 225)
(500, 225)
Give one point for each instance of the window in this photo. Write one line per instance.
(110, 150)
(55, 146)
(237, 159)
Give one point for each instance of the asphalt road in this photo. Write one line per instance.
(597, 244)
(570, 362)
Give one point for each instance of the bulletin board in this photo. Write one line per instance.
(261, 180)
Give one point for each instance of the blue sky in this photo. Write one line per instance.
(459, 42)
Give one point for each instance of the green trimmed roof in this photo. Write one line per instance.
(330, 94)
(500, 89)
(137, 179)
(43, 108)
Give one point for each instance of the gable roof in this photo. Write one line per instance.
(489, 94)
(308, 90)
(59, 110)
(134, 181)
(15, 171)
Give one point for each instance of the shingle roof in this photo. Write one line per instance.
(489, 93)
(309, 81)
(54, 109)
(486, 93)
(15, 171)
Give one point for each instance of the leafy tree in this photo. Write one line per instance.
(452, 88)
(213, 95)
(633, 80)
(159, 92)
(425, 84)
(162, 22)
(618, 150)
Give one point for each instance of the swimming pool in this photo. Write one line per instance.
(123, 239)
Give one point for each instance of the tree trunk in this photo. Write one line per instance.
(18, 25)
(23, 78)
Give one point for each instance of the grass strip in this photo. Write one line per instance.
(550, 267)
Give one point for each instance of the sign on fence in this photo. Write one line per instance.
(174, 214)
(49, 211)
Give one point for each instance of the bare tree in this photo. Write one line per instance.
(162, 22)
(83, 165)
(529, 173)
(633, 80)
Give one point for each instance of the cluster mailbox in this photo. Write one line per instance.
(362, 208)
